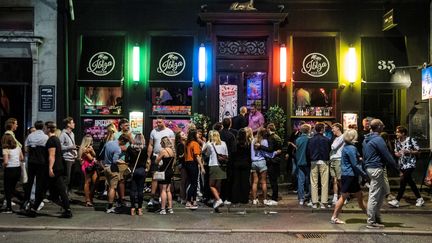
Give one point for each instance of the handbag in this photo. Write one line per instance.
(222, 158)
(24, 176)
(160, 175)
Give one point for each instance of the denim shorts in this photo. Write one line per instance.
(259, 166)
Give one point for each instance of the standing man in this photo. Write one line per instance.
(153, 151)
(273, 164)
(230, 139)
(365, 130)
(240, 121)
(69, 148)
(318, 151)
(256, 119)
(335, 159)
(124, 128)
(37, 166)
(56, 169)
(376, 156)
(113, 152)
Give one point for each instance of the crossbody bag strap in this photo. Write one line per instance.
(217, 154)
(169, 162)
(73, 142)
(136, 161)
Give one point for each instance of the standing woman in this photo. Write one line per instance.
(56, 168)
(87, 157)
(180, 147)
(351, 169)
(165, 160)
(241, 168)
(12, 159)
(193, 160)
(259, 165)
(405, 149)
(213, 147)
(136, 158)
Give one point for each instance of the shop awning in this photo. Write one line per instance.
(380, 57)
(171, 58)
(101, 61)
(315, 62)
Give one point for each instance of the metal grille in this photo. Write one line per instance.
(242, 48)
(310, 236)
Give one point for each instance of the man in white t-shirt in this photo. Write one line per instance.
(153, 150)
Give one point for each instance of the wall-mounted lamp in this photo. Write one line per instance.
(283, 66)
(351, 66)
(136, 64)
(202, 66)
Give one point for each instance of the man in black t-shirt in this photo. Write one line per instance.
(56, 168)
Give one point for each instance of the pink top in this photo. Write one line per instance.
(256, 121)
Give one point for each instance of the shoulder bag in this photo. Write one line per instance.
(160, 175)
(222, 158)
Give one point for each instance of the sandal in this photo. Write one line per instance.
(336, 221)
(140, 211)
(132, 212)
(89, 204)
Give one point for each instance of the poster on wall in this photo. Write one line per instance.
(102, 100)
(348, 118)
(96, 127)
(176, 125)
(426, 83)
(227, 101)
(255, 90)
(136, 120)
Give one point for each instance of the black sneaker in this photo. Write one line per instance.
(31, 213)
(66, 214)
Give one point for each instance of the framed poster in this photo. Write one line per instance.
(136, 119)
(46, 98)
(426, 83)
(349, 118)
(96, 127)
(227, 101)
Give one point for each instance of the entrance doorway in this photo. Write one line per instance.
(237, 89)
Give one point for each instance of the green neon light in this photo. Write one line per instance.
(136, 63)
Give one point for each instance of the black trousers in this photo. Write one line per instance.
(192, 174)
(58, 187)
(241, 184)
(137, 187)
(11, 177)
(274, 172)
(227, 184)
(40, 172)
(405, 179)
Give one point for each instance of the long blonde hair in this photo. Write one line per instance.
(214, 137)
(249, 134)
(86, 142)
(111, 130)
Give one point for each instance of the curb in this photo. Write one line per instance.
(220, 231)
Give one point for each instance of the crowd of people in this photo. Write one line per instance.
(224, 166)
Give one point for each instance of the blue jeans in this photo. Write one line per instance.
(303, 187)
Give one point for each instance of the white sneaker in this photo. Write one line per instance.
(5, 203)
(270, 202)
(227, 202)
(111, 210)
(41, 205)
(334, 201)
(420, 202)
(322, 206)
(163, 212)
(255, 202)
(310, 204)
(301, 202)
(218, 203)
(394, 203)
(314, 206)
